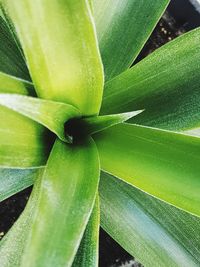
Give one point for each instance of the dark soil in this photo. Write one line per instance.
(111, 254)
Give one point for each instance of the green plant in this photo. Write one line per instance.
(56, 140)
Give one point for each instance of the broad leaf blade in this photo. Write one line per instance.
(11, 60)
(13, 181)
(165, 84)
(59, 42)
(162, 163)
(23, 142)
(154, 232)
(51, 114)
(66, 199)
(123, 27)
(97, 124)
(12, 245)
(13, 85)
(87, 255)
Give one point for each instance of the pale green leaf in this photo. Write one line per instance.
(13, 181)
(23, 142)
(12, 245)
(154, 232)
(165, 84)
(123, 27)
(88, 254)
(13, 85)
(11, 60)
(66, 198)
(162, 163)
(60, 45)
(51, 114)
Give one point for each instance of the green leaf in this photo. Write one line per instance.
(123, 27)
(87, 255)
(66, 198)
(156, 233)
(12, 245)
(11, 60)
(96, 124)
(23, 142)
(13, 85)
(165, 84)
(13, 181)
(51, 114)
(60, 45)
(162, 163)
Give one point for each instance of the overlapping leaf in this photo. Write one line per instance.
(123, 27)
(156, 233)
(162, 163)
(65, 203)
(59, 42)
(165, 84)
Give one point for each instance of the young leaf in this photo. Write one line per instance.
(13, 85)
(165, 84)
(59, 42)
(66, 198)
(51, 114)
(96, 124)
(12, 245)
(87, 255)
(123, 27)
(13, 181)
(162, 163)
(23, 142)
(11, 60)
(156, 233)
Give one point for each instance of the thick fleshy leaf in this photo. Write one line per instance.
(23, 142)
(165, 84)
(13, 181)
(162, 163)
(67, 194)
(93, 125)
(13, 244)
(156, 233)
(11, 60)
(12, 85)
(60, 45)
(87, 255)
(49, 113)
(123, 27)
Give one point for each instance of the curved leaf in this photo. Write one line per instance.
(23, 142)
(11, 60)
(87, 255)
(13, 181)
(162, 163)
(51, 114)
(13, 243)
(66, 198)
(156, 233)
(59, 42)
(13, 85)
(119, 24)
(165, 84)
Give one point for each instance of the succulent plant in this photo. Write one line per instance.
(103, 143)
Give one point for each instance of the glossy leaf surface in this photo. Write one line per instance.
(162, 163)
(165, 84)
(154, 232)
(60, 45)
(66, 199)
(88, 254)
(51, 114)
(123, 27)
